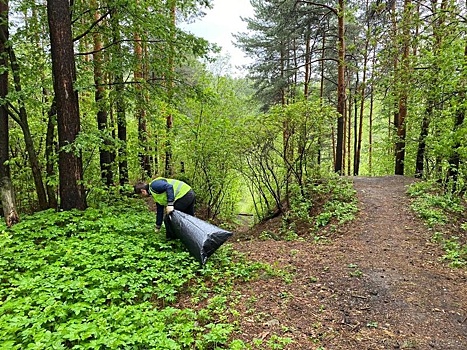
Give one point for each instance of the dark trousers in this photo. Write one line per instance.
(186, 204)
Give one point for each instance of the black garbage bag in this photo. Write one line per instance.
(201, 238)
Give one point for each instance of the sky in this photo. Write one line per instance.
(220, 23)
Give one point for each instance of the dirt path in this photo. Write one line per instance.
(378, 285)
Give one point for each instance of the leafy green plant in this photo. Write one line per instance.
(278, 343)
(101, 279)
(329, 201)
(356, 272)
(433, 205)
(438, 209)
(456, 253)
(339, 202)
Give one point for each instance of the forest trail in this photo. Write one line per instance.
(378, 284)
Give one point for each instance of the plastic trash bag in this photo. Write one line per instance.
(201, 238)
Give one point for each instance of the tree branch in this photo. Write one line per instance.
(333, 10)
(95, 23)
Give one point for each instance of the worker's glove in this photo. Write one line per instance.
(169, 209)
(157, 228)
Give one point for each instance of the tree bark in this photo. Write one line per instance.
(340, 89)
(170, 91)
(120, 105)
(71, 188)
(50, 150)
(358, 148)
(7, 194)
(401, 115)
(99, 96)
(22, 120)
(140, 112)
(438, 26)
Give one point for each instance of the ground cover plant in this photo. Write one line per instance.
(325, 205)
(446, 216)
(102, 279)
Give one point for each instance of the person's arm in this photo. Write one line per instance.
(159, 215)
(160, 186)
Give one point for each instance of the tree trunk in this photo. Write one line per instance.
(7, 194)
(120, 105)
(400, 120)
(358, 148)
(71, 188)
(419, 162)
(50, 150)
(438, 25)
(170, 91)
(99, 96)
(306, 88)
(340, 89)
(140, 112)
(321, 96)
(370, 134)
(347, 153)
(22, 120)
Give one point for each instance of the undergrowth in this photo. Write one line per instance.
(101, 279)
(316, 211)
(445, 214)
(326, 205)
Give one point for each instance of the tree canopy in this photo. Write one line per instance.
(361, 88)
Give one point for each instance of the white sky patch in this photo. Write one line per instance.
(220, 23)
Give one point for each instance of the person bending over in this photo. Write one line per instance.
(168, 194)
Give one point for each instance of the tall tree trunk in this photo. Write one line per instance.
(347, 153)
(306, 88)
(140, 111)
(438, 31)
(170, 90)
(420, 160)
(321, 96)
(50, 150)
(7, 195)
(22, 119)
(71, 188)
(120, 104)
(340, 88)
(370, 134)
(50, 117)
(358, 147)
(99, 96)
(401, 115)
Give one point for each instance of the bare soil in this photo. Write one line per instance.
(376, 284)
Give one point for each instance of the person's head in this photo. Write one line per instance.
(142, 189)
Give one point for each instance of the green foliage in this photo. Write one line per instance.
(207, 141)
(278, 343)
(280, 151)
(456, 252)
(333, 200)
(101, 279)
(355, 271)
(325, 204)
(433, 205)
(445, 212)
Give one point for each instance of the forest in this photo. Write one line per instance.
(96, 95)
(117, 92)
